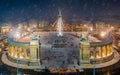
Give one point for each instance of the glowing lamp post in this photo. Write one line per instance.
(17, 36)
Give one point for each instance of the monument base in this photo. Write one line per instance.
(35, 62)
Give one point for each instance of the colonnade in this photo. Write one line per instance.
(101, 51)
(20, 52)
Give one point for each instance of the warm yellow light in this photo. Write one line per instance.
(102, 34)
(17, 35)
(91, 29)
(112, 27)
(85, 25)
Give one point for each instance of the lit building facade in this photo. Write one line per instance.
(4, 29)
(28, 52)
(101, 51)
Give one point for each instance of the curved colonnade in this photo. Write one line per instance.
(18, 50)
(102, 51)
(99, 52)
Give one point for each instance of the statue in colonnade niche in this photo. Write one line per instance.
(34, 37)
(84, 37)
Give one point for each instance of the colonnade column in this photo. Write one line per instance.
(20, 52)
(106, 50)
(25, 53)
(14, 51)
(101, 51)
(9, 49)
(111, 50)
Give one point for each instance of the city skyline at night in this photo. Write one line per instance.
(59, 37)
(21, 10)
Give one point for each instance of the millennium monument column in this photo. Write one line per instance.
(59, 24)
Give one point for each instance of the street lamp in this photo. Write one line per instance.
(94, 61)
(17, 36)
(17, 64)
(93, 56)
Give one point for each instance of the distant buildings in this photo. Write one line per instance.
(4, 28)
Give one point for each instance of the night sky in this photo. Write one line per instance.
(21, 10)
